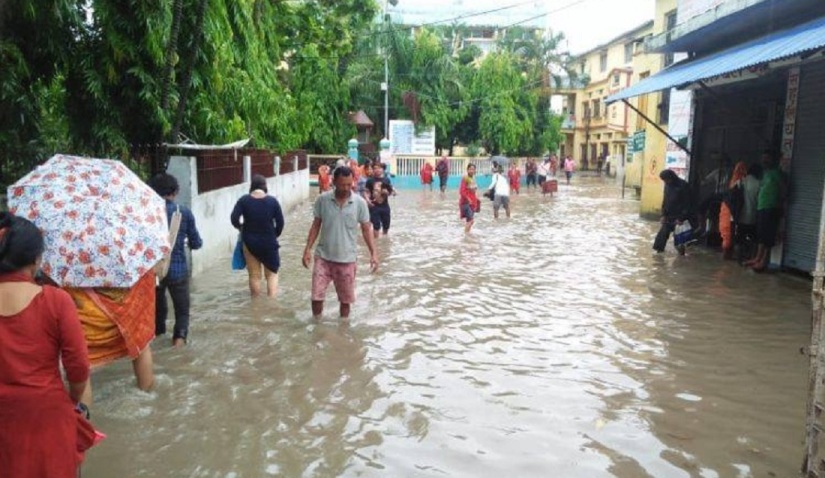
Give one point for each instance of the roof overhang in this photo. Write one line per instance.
(803, 41)
(734, 22)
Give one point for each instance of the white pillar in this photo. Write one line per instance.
(247, 169)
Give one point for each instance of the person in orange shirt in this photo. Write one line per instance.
(324, 179)
(514, 176)
(356, 172)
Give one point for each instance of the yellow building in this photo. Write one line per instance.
(643, 167)
(593, 130)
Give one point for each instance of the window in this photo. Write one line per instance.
(628, 52)
(596, 108)
(585, 110)
(583, 66)
(664, 107)
(616, 79)
(603, 62)
(670, 24)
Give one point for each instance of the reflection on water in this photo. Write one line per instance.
(553, 344)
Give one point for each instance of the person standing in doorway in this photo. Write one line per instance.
(768, 208)
(569, 168)
(177, 279)
(338, 215)
(468, 202)
(443, 170)
(731, 209)
(501, 187)
(260, 219)
(746, 232)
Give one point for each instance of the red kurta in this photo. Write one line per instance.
(40, 429)
(427, 173)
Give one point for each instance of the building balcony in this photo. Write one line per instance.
(733, 22)
(568, 122)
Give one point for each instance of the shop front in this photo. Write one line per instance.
(765, 94)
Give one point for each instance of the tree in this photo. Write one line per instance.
(502, 122)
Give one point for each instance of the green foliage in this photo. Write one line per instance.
(473, 149)
(100, 76)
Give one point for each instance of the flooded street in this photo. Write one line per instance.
(555, 344)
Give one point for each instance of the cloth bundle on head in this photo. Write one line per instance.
(117, 323)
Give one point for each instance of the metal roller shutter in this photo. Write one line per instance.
(807, 171)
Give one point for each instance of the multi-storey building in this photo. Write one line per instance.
(595, 131)
(482, 22)
(749, 78)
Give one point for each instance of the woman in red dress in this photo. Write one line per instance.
(427, 175)
(468, 203)
(43, 433)
(514, 177)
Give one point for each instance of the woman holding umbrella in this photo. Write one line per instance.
(42, 432)
(263, 222)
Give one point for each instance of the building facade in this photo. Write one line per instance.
(751, 79)
(647, 145)
(594, 131)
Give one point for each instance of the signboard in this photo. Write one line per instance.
(789, 122)
(680, 119)
(639, 141)
(404, 140)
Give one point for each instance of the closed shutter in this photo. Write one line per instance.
(807, 171)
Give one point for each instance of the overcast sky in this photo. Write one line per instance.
(585, 23)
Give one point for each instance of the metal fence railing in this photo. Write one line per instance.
(410, 165)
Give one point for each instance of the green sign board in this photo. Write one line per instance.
(639, 141)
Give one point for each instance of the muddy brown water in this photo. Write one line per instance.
(555, 344)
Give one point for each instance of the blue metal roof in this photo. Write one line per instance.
(790, 42)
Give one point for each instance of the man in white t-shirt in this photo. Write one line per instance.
(502, 192)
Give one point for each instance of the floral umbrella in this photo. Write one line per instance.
(103, 226)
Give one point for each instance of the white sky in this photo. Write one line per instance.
(585, 23)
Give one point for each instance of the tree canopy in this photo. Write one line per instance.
(100, 76)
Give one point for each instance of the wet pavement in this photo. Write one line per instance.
(553, 344)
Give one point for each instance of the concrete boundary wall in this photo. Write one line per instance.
(212, 209)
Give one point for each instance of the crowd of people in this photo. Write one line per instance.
(45, 423)
(744, 203)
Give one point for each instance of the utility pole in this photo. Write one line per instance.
(813, 465)
(386, 85)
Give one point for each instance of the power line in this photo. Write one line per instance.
(436, 22)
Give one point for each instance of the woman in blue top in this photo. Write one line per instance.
(262, 224)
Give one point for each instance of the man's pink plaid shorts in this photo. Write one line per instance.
(342, 275)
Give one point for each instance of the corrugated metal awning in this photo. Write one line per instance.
(787, 43)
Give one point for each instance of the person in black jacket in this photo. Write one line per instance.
(676, 208)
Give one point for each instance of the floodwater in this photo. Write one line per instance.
(555, 344)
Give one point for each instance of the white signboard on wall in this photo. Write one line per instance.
(680, 115)
(404, 140)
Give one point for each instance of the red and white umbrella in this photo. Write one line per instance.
(102, 225)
